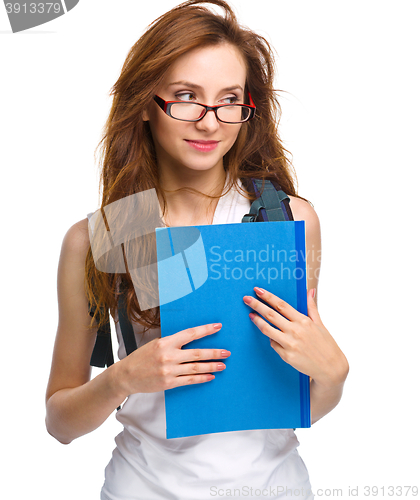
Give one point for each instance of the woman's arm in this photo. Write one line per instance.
(303, 341)
(77, 405)
(324, 397)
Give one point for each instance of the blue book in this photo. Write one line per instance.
(204, 272)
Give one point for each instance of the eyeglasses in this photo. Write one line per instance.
(194, 112)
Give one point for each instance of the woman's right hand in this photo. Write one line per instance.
(162, 364)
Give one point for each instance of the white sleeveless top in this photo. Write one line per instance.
(256, 464)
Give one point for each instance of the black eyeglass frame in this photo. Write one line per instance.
(167, 105)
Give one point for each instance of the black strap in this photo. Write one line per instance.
(102, 355)
(271, 204)
(285, 202)
(127, 330)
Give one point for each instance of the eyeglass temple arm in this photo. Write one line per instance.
(161, 102)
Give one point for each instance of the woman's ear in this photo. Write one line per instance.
(145, 116)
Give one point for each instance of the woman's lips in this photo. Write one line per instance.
(203, 145)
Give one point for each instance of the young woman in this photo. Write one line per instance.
(194, 157)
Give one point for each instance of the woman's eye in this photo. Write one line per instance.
(185, 96)
(232, 99)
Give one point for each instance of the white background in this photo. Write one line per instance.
(351, 119)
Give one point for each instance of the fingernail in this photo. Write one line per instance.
(247, 300)
(221, 366)
(259, 291)
(313, 292)
(224, 354)
(217, 325)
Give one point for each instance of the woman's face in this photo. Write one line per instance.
(211, 75)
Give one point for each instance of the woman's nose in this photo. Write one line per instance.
(209, 123)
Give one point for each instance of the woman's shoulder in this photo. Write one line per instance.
(76, 240)
(302, 210)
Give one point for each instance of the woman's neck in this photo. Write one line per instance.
(186, 208)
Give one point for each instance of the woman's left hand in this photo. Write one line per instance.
(301, 341)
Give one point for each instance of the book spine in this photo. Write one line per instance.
(302, 307)
(301, 291)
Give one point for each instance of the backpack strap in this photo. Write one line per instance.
(272, 204)
(127, 330)
(102, 352)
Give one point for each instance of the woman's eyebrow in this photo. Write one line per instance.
(194, 85)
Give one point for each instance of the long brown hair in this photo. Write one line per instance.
(127, 150)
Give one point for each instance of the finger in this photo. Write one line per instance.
(185, 336)
(280, 350)
(278, 304)
(268, 313)
(193, 379)
(312, 307)
(268, 330)
(192, 355)
(198, 368)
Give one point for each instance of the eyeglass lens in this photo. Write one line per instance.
(194, 111)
